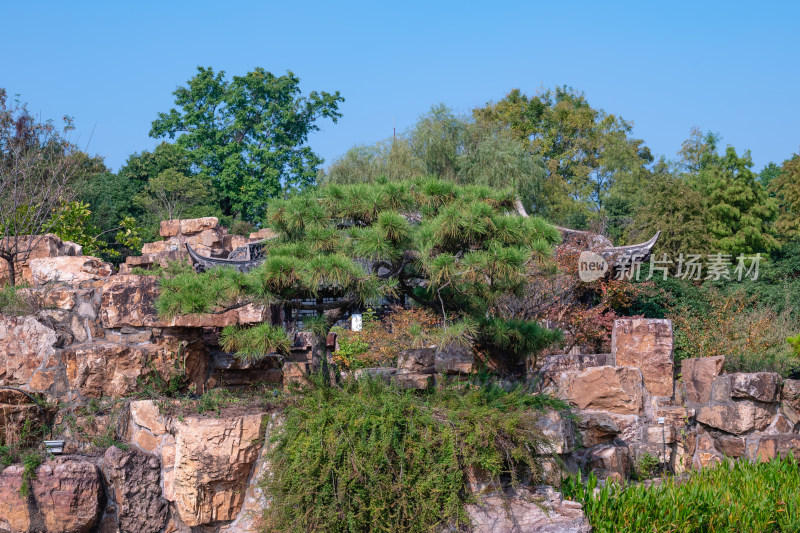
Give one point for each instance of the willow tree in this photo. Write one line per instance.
(455, 249)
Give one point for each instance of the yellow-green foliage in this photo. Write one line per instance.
(371, 457)
(738, 497)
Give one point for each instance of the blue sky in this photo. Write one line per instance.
(729, 67)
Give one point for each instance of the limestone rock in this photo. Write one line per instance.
(597, 427)
(646, 344)
(706, 454)
(134, 484)
(608, 461)
(128, 300)
(66, 497)
(698, 374)
(730, 446)
(263, 233)
(540, 509)
(100, 369)
(15, 515)
(213, 461)
(190, 226)
(69, 269)
(417, 360)
(551, 366)
(790, 400)
(603, 388)
(413, 380)
(759, 386)
(737, 418)
(557, 429)
(454, 359)
(772, 446)
(48, 245)
(15, 410)
(25, 344)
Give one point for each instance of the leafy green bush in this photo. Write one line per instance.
(733, 497)
(371, 457)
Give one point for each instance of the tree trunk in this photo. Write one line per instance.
(319, 355)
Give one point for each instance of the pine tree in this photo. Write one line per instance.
(454, 249)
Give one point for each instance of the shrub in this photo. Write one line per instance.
(733, 497)
(15, 302)
(371, 457)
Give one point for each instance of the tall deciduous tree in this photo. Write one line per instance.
(457, 250)
(37, 167)
(583, 149)
(248, 134)
(740, 213)
(786, 187)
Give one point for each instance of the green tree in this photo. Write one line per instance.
(740, 213)
(248, 134)
(450, 147)
(583, 149)
(38, 167)
(171, 194)
(786, 187)
(454, 249)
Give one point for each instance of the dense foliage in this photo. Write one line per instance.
(371, 457)
(733, 497)
(457, 250)
(248, 135)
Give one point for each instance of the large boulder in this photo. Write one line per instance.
(213, 460)
(597, 427)
(17, 410)
(790, 400)
(698, 374)
(129, 301)
(558, 431)
(454, 359)
(69, 269)
(608, 461)
(646, 344)
(540, 509)
(772, 446)
(134, 485)
(736, 418)
(100, 369)
(48, 245)
(189, 226)
(759, 386)
(25, 345)
(417, 360)
(603, 388)
(66, 497)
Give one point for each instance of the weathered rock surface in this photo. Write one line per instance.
(66, 497)
(417, 360)
(517, 510)
(597, 427)
(104, 368)
(128, 301)
(213, 461)
(191, 226)
(455, 359)
(559, 432)
(646, 344)
(413, 380)
(759, 386)
(68, 269)
(772, 446)
(608, 461)
(25, 345)
(737, 418)
(698, 374)
(790, 400)
(134, 485)
(48, 245)
(604, 388)
(16, 410)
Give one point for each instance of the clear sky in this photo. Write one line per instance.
(729, 67)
